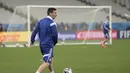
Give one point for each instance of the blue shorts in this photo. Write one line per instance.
(106, 35)
(47, 54)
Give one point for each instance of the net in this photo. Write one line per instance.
(75, 24)
(16, 35)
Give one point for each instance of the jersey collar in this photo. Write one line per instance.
(50, 17)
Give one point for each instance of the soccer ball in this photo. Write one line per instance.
(67, 70)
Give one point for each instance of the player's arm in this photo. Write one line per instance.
(54, 32)
(109, 29)
(106, 26)
(35, 31)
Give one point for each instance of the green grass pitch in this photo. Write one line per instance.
(81, 58)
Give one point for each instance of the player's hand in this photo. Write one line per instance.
(55, 43)
(31, 43)
(110, 31)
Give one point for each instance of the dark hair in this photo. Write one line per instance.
(50, 10)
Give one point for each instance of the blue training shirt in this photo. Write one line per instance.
(47, 32)
(106, 27)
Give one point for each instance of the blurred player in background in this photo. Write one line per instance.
(47, 32)
(1, 30)
(106, 30)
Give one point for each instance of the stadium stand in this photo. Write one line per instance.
(9, 6)
(123, 3)
(6, 16)
(66, 21)
(116, 7)
(117, 10)
(41, 2)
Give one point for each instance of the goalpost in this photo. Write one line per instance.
(76, 24)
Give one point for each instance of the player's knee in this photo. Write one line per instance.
(47, 59)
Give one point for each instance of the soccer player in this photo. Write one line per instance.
(106, 30)
(47, 31)
(1, 30)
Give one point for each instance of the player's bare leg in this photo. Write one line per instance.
(50, 67)
(103, 42)
(42, 67)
